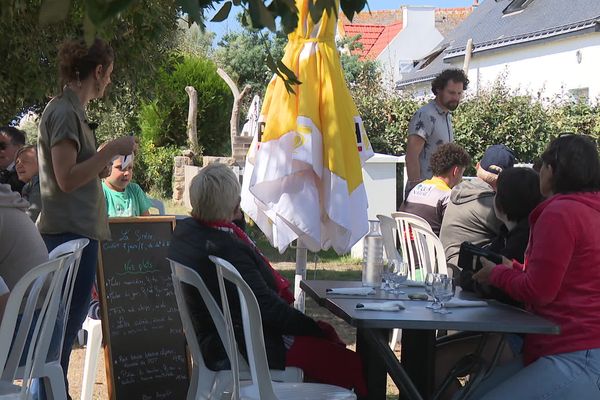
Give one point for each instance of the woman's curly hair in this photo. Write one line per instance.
(77, 60)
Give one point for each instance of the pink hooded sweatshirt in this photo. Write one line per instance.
(560, 279)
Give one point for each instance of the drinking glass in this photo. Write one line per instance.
(386, 275)
(429, 290)
(399, 275)
(443, 290)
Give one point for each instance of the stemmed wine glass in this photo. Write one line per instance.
(443, 290)
(429, 290)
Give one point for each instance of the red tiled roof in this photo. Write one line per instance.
(379, 28)
(388, 34)
(369, 35)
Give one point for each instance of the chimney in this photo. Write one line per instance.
(418, 17)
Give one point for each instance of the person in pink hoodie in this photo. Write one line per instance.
(559, 280)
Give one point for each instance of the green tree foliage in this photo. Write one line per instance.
(163, 120)
(355, 69)
(95, 14)
(193, 40)
(242, 55)
(141, 37)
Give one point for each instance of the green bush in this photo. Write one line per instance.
(163, 121)
(154, 168)
(493, 115)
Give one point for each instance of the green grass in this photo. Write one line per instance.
(322, 257)
(289, 255)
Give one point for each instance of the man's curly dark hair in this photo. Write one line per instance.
(448, 156)
(454, 75)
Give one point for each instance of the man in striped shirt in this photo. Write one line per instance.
(430, 197)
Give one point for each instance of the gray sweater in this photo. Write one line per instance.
(469, 217)
(21, 247)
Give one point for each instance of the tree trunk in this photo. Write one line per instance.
(235, 109)
(192, 126)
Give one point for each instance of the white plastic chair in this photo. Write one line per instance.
(411, 253)
(92, 351)
(23, 299)
(205, 383)
(430, 250)
(52, 368)
(261, 386)
(159, 205)
(388, 231)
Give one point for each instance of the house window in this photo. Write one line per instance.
(405, 66)
(580, 94)
(516, 5)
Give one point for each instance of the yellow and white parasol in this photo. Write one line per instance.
(303, 176)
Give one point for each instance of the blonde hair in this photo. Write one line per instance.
(214, 193)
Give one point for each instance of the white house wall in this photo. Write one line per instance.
(551, 66)
(416, 39)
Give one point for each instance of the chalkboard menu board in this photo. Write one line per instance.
(145, 346)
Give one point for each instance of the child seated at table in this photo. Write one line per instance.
(123, 197)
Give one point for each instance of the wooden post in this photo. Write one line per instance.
(192, 126)
(235, 109)
(468, 53)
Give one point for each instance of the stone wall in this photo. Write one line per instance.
(241, 144)
(179, 177)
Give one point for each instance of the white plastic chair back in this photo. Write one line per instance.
(75, 249)
(412, 254)
(24, 297)
(159, 205)
(261, 387)
(51, 367)
(205, 382)
(253, 332)
(430, 249)
(388, 231)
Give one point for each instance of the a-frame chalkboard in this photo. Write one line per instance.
(145, 347)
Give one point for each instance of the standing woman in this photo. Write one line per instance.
(560, 281)
(73, 205)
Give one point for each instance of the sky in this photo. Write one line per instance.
(231, 24)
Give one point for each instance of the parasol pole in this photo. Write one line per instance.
(301, 258)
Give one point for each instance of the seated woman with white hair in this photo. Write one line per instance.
(291, 338)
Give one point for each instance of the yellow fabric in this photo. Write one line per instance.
(438, 183)
(322, 97)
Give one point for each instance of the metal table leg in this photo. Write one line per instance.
(375, 370)
(418, 359)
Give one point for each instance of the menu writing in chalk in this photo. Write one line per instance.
(146, 352)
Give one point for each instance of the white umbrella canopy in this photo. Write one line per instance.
(303, 176)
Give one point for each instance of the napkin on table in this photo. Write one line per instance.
(381, 306)
(361, 291)
(456, 302)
